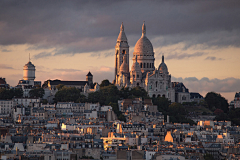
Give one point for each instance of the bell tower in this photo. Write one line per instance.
(121, 50)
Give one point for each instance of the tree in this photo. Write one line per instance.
(67, 94)
(215, 100)
(105, 83)
(10, 93)
(162, 103)
(37, 92)
(60, 86)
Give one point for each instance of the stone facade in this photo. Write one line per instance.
(156, 81)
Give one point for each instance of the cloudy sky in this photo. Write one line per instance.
(199, 39)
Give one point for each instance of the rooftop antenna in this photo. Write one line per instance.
(29, 57)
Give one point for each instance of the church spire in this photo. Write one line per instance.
(122, 35)
(143, 29)
(122, 27)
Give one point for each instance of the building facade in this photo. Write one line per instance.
(156, 81)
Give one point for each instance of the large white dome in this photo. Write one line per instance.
(143, 45)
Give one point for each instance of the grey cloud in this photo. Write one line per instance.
(42, 55)
(6, 50)
(184, 55)
(74, 26)
(3, 66)
(207, 85)
(212, 58)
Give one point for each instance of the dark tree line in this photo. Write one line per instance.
(175, 111)
(10, 93)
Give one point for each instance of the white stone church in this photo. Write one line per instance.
(156, 81)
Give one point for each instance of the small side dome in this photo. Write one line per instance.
(163, 67)
(124, 67)
(135, 66)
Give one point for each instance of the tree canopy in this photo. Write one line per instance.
(215, 100)
(68, 94)
(37, 92)
(10, 93)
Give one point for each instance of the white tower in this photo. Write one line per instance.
(29, 72)
(121, 50)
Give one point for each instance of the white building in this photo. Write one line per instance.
(25, 101)
(6, 106)
(156, 81)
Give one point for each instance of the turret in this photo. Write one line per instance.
(121, 49)
(89, 78)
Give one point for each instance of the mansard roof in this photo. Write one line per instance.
(68, 83)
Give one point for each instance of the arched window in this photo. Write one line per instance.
(154, 96)
(159, 95)
(147, 65)
(150, 65)
(163, 95)
(123, 52)
(141, 65)
(137, 84)
(144, 65)
(137, 76)
(156, 84)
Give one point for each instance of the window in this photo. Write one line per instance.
(144, 65)
(147, 65)
(156, 84)
(141, 65)
(137, 76)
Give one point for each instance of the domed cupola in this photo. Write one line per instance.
(144, 50)
(124, 67)
(163, 67)
(143, 45)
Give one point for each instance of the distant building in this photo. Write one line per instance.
(181, 92)
(6, 106)
(236, 100)
(196, 97)
(77, 84)
(3, 83)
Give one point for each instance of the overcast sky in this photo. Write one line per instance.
(199, 39)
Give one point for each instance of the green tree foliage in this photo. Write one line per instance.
(162, 104)
(44, 101)
(68, 94)
(10, 93)
(215, 100)
(232, 116)
(176, 111)
(59, 86)
(105, 83)
(37, 92)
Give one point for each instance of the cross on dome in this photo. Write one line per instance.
(143, 29)
(122, 27)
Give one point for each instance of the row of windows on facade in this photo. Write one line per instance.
(7, 102)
